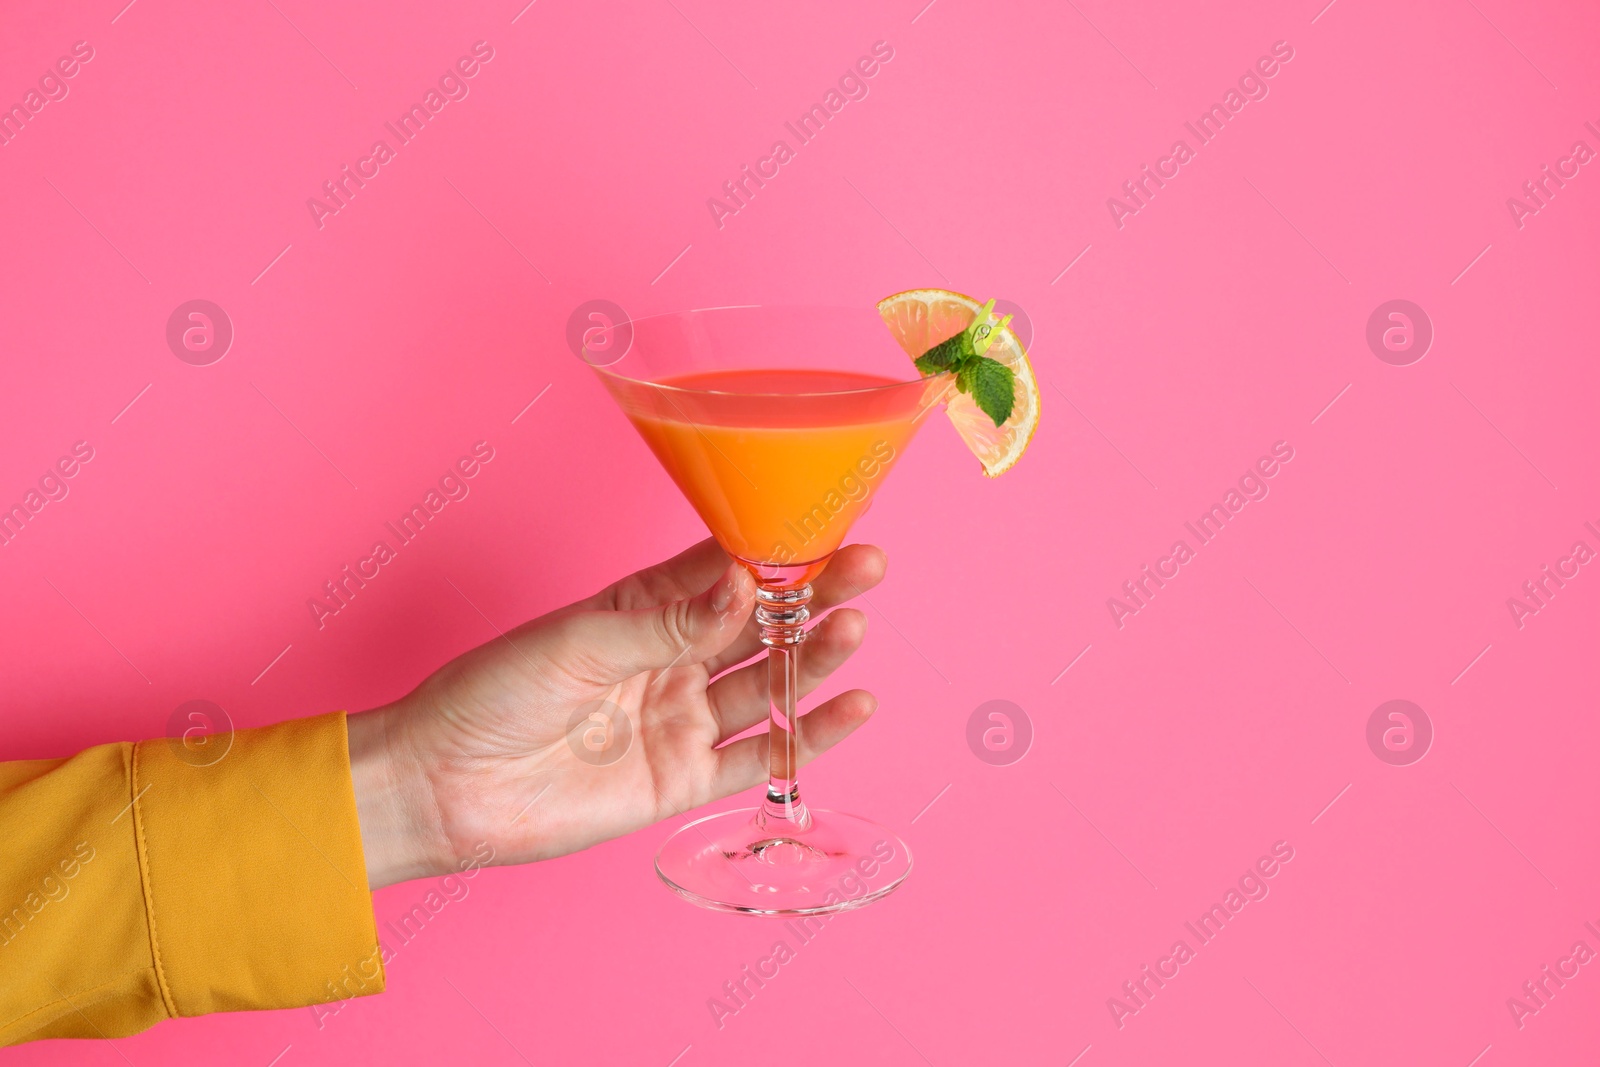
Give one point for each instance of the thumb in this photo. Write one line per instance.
(620, 644)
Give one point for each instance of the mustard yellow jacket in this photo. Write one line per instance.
(139, 882)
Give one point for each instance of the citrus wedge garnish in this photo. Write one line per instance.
(925, 320)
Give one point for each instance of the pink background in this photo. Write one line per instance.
(1224, 316)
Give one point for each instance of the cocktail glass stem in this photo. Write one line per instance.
(782, 613)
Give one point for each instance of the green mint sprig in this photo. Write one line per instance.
(988, 381)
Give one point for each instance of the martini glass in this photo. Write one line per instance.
(778, 424)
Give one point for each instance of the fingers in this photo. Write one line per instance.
(739, 699)
(744, 763)
(678, 578)
(853, 570)
(606, 647)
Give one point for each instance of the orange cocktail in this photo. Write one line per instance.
(779, 463)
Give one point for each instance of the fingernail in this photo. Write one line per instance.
(722, 595)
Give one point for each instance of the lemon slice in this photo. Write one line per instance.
(922, 318)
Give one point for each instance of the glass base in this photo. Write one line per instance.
(740, 861)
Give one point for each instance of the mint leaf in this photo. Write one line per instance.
(945, 355)
(964, 375)
(990, 382)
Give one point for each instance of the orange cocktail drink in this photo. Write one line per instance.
(779, 463)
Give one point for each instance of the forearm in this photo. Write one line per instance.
(399, 821)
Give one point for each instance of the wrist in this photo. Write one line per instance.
(392, 801)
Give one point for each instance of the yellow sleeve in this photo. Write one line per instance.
(138, 883)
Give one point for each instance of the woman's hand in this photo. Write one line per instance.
(505, 744)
